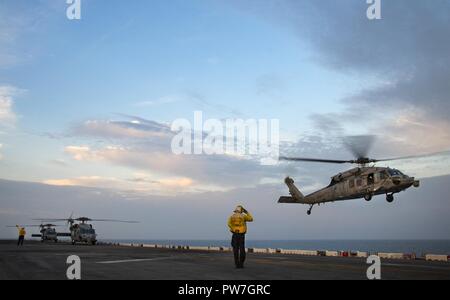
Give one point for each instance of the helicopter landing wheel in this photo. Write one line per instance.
(390, 198)
(73, 243)
(368, 197)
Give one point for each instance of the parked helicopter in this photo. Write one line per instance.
(361, 182)
(81, 231)
(47, 232)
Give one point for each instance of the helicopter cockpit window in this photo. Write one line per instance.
(333, 182)
(394, 172)
(87, 231)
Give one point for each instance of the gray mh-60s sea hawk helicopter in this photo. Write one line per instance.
(47, 232)
(81, 231)
(361, 182)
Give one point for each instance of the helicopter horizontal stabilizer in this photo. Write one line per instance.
(288, 200)
(63, 234)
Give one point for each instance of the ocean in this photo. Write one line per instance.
(419, 247)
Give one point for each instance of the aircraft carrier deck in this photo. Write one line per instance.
(48, 261)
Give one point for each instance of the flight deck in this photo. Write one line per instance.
(47, 261)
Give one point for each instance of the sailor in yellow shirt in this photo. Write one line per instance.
(22, 233)
(238, 226)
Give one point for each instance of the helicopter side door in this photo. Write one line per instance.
(359, 185)
(352, 188)
(342, 190)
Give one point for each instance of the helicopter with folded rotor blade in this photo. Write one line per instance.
(81, 231)
(364, 181)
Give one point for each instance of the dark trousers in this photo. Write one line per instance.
(238, 243)
(20, 242)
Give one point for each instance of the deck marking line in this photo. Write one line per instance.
(133, 260)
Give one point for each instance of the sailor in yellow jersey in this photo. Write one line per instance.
(22, 234)
(238, 226)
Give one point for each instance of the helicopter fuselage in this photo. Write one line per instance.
(362, 182)
(49, 234)
(83, 233)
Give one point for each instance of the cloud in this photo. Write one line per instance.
(13, 23)
(21, 22)
(80, 152)
(401, 60)
(140, 184)
(160, 101)
(203, 216)
(413, 132)
(7, 115)
(270, 86)
(136, 128)
(148, 149)
(87, 181)
(220, 172)
(1, 156)
(409, 132)
(329, 124)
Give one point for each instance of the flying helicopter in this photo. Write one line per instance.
(364, 181)
(80, 229)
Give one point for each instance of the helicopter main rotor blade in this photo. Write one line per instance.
(23, 226)
(116, 221)
(414, 156)
(84, 219)
(328, 161)
(51, 220)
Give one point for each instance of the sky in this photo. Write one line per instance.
(86, 108)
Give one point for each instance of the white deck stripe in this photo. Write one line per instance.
(133, 260)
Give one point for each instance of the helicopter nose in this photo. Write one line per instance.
(413, 181)
(397, 180)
